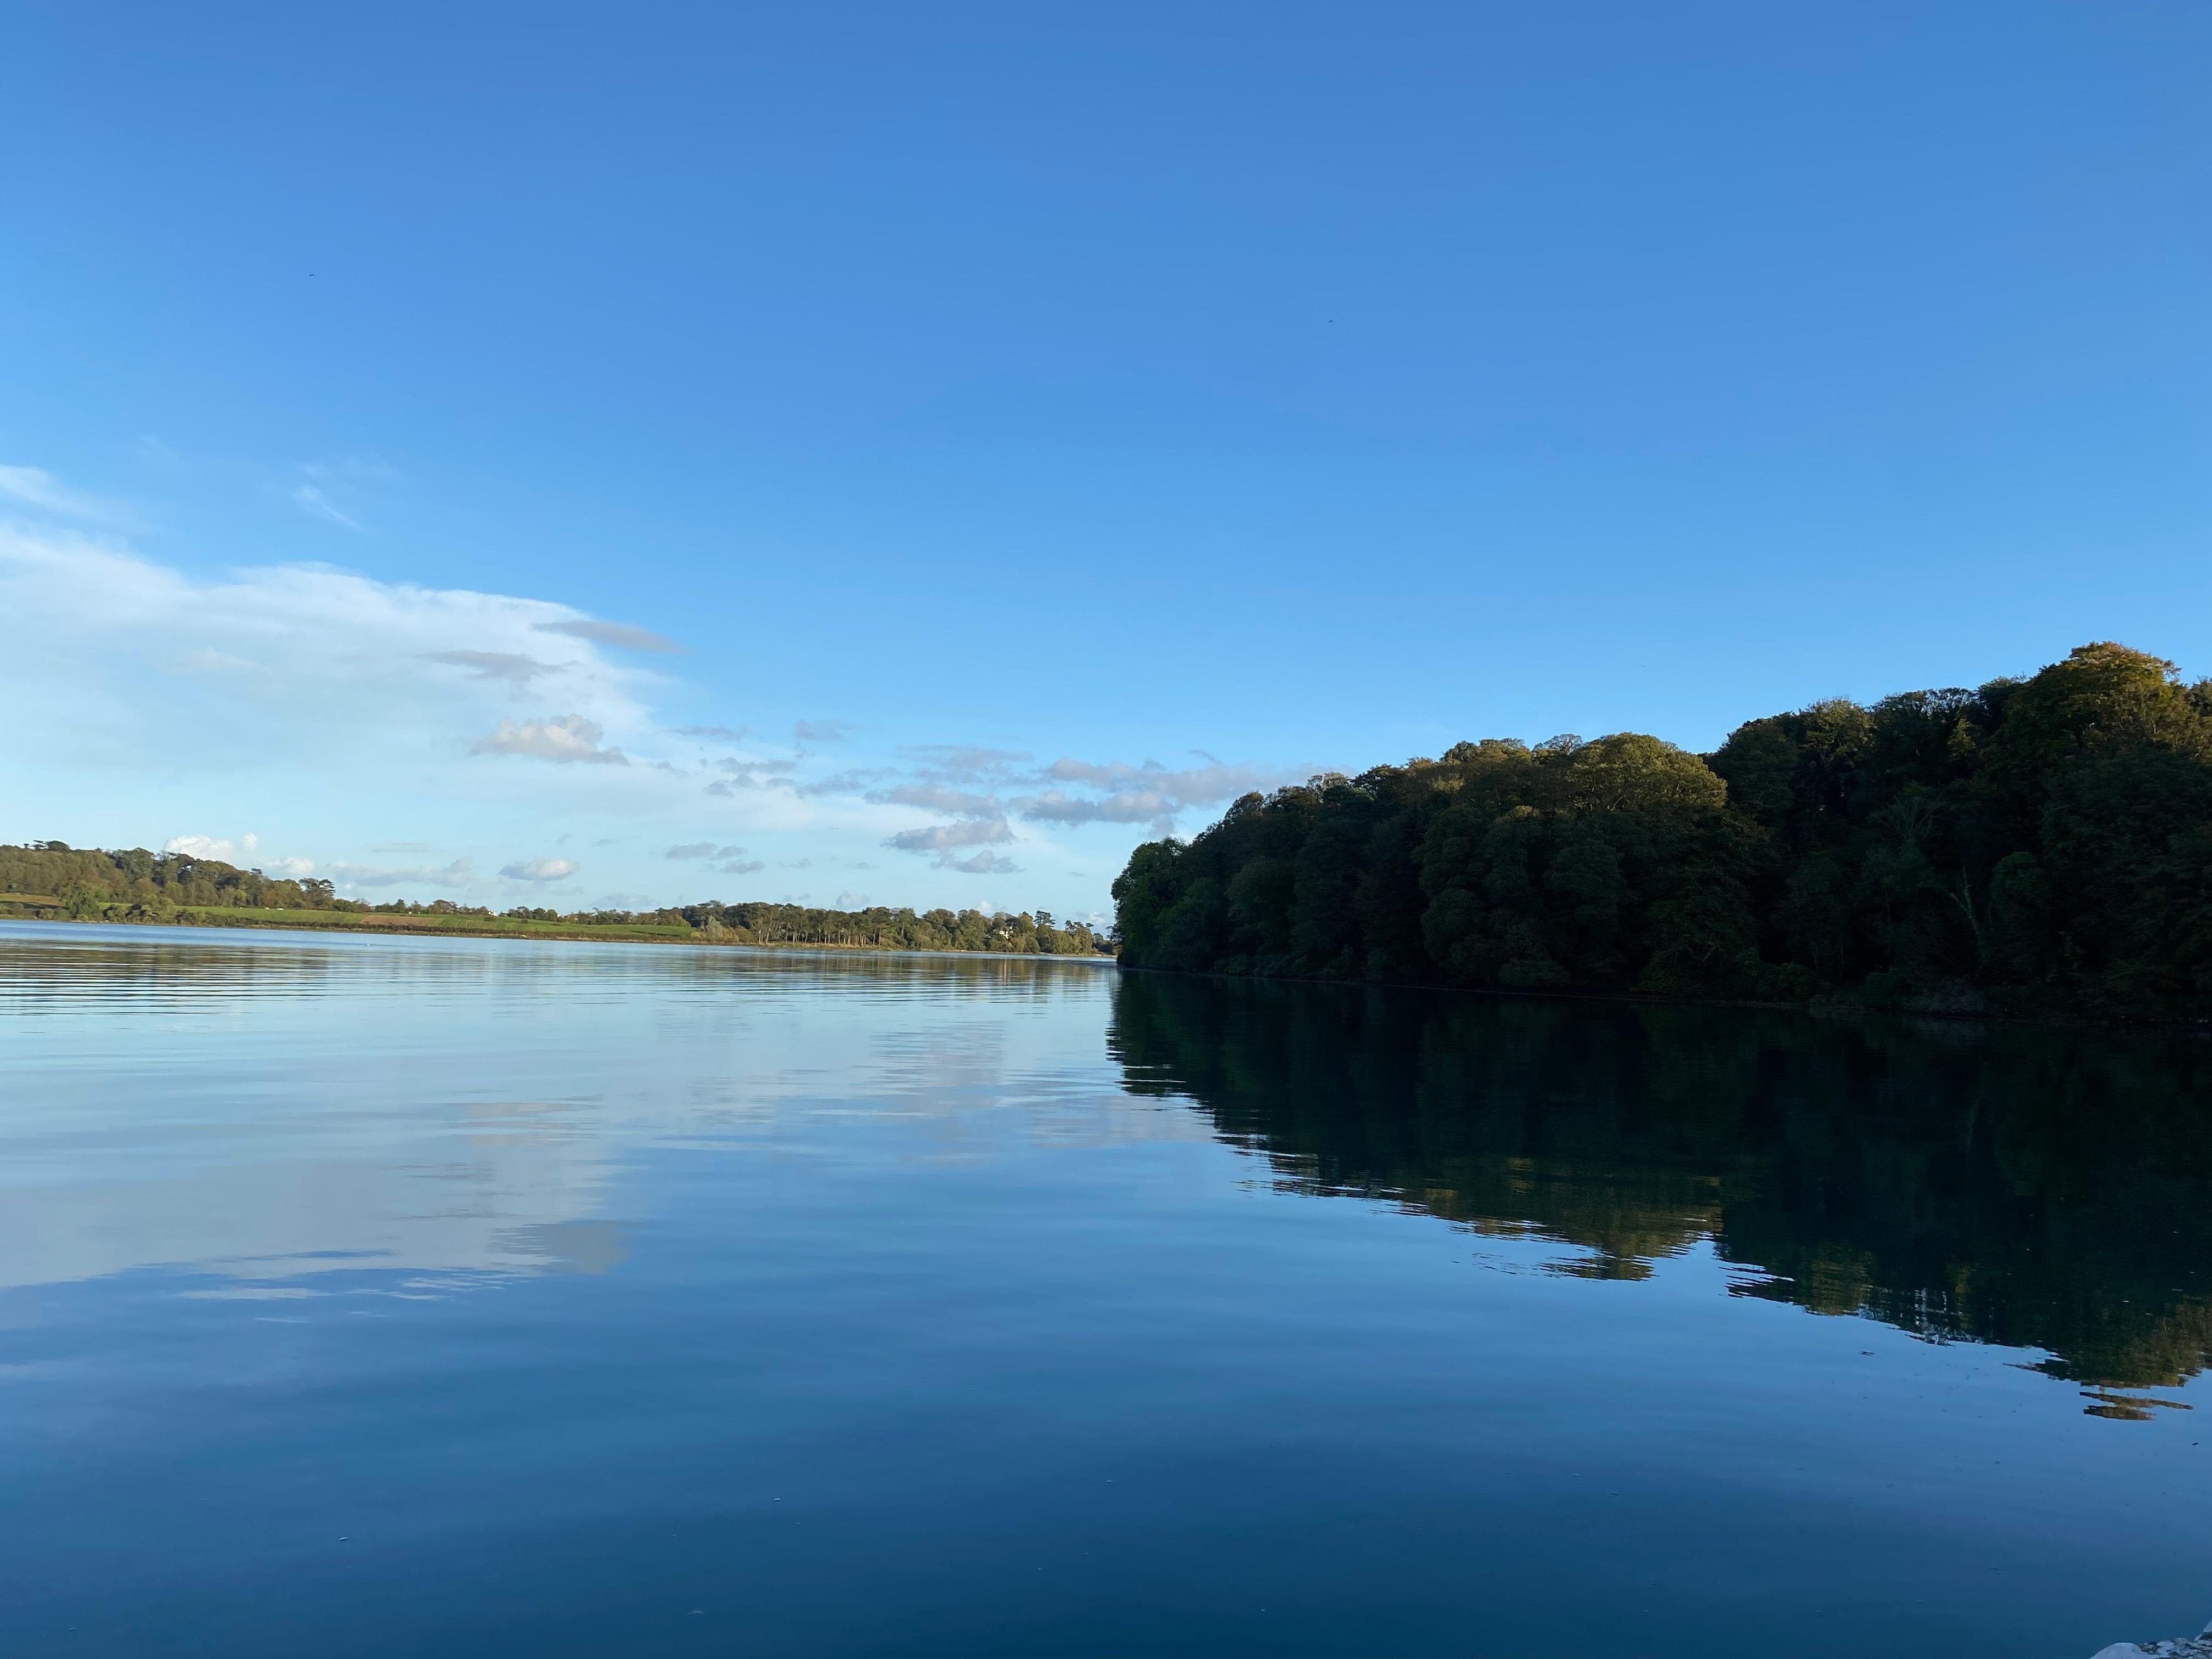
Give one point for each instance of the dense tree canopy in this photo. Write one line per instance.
(2035, 844)
(137, 885)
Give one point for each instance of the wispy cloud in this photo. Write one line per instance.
(822, 731)
(706, 849)
(1150, 792)
(964, 762)
(560, 738)
(985, 863)
(942, 837)
(938, 797)
(34, 486)
(516, 669)
(458, 873)
(853, 782)
(311, 499)
(624, 636)
(751, 775)
(719, 733)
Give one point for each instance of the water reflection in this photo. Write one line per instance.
(2041, 1188)
(268, 1108)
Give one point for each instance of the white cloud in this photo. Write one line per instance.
(294, 868)
(558, 737)
(540, 870)
(705, 850)
(212, 848)
(822, 731)
(312, 664)
(849, 900)
(624, 636)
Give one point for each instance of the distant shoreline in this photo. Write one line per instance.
(33, 907)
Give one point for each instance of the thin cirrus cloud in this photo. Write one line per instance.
(565, 737)
(539, 870)
(312, 500)
(34, 486)
(625, 636)
(705, 850)
(822, 731)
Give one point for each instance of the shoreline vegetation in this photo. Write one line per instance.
(51, 881)
(2034, 847)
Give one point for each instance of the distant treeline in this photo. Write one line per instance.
(2036, 845)
(139, 886)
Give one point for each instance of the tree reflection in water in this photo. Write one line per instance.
(2040, 1188)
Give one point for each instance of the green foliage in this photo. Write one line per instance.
(885, 929)
(2035, 844)
(136, 884)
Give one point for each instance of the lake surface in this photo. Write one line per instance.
(392, 1296)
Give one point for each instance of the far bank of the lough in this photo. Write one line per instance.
(19, 907)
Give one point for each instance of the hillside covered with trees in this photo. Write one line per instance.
(2035, 845)
(51, 878)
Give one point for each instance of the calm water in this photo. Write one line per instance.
(407, 1296)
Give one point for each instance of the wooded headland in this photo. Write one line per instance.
(2033, 845)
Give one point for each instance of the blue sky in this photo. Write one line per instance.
(1005, 432)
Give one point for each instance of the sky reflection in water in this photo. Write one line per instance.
(375, 1296)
